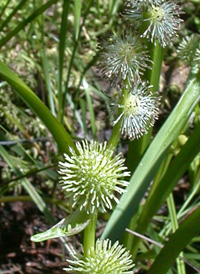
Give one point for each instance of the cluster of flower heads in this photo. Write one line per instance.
(123, 59)
(91, 177)
(163, 18)
(104, 258)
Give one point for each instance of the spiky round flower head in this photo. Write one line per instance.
(196, 62)
(91, 177)
(104, 259)
(123, 58)
(139, 110)
(187, 48)
(163, 17)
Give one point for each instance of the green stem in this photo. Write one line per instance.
(89, 235)
(116, 132)
(153, 75)
(138, 147)
(8, 199)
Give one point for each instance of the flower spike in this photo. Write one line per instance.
(123, 58)
(163, 18)
(104, 258)
(139, 110)
(91, 177)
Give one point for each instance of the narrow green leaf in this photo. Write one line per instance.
(10, 16)
(45, 65)
(174, 221)
(151, 161)
(69, 226)
(77, 15)
(28, 186)
(90, 106)
(177, 242)
(4, 8)
(61, 51)
(22, 25)
(60, 135)
(30, 173)
(73, 56)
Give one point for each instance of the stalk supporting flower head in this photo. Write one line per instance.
(123, 58)
(139, 110)
(163, 18)
(91, 177)
(104, 259)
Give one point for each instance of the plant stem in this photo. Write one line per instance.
(116, 132)
(8, 199)
(174, 222)
(89, 235)
(138, 147)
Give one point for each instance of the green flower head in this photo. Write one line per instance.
(187, 49)
(91, 177)
(104, 259)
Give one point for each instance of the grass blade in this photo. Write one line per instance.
(174, 222)
(61, 50)
(47, 80)
(22, 25)
(4, 8)
(28, 186)
(177, 242)
(90, 106)
(10, 16)
(77, 15)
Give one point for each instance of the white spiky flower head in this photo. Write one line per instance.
(162, 16)
(187, 48)
(104, 259)
(123, 58)
(139, 110)
(91, 177)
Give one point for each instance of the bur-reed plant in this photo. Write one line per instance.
(90, 175)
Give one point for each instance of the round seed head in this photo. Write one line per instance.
(163, 18)
(123, 58)
(196, 62)
(139, 110)
(104, 259)
(187, 48)
(91, 177)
